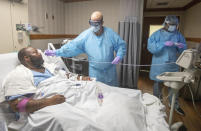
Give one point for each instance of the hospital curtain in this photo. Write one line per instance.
(130, 27)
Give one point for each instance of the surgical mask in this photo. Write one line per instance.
(96, 28)
(172, 28)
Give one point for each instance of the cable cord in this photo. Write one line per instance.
(167, 97)
(194, 102)
(123, 64)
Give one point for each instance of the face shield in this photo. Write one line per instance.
(95, 25)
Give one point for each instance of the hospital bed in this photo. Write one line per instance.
(153, 109)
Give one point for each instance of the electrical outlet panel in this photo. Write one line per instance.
(23, 27)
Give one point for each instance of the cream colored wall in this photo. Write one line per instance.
(77, 14)
(11, 14)
(5, 28)
(165, 13)
(37, 17)
(192, 24)
(43, 44)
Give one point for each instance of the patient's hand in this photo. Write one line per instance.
(84, 78)
(57, 99)
(79, 77)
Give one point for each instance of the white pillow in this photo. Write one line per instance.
(8, 62)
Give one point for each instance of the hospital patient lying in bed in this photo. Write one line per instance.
(47, 99)
(31, 73)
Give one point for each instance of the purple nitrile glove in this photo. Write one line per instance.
(50, 52)
(169, 43)
(116, 60)
(179, 45)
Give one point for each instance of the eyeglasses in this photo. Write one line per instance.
(95, 23)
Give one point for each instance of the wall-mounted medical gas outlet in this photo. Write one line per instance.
(19, 27)
(20, 36)
(24, 27)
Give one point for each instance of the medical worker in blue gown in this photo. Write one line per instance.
(99, 43)
(165, 45)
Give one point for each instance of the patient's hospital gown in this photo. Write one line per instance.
(38, 77)
(99, 49)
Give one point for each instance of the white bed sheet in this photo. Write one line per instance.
(121, 110)
(86, 114)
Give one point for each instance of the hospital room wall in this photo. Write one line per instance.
(12, 13)
(43, 44)
(165, 13)
(49, 16)
(77, 14)
(192, 25)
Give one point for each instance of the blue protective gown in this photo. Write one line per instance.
(99, 49)
(163, 54)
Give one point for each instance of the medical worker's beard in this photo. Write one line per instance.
(37, 61)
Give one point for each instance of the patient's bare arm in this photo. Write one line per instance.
(34, 105)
